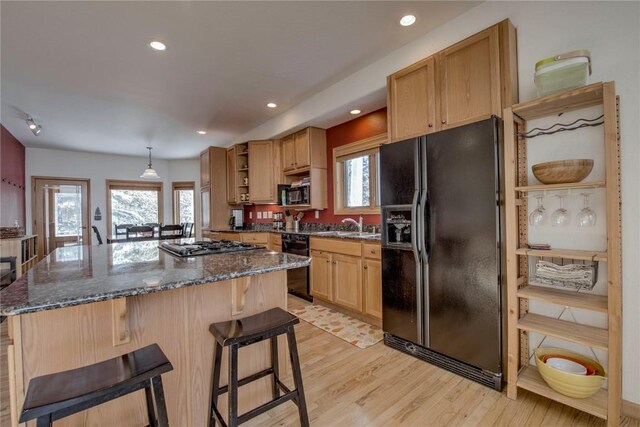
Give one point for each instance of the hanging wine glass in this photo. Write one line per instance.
(539, 215)
(560, 217)
(586, 217)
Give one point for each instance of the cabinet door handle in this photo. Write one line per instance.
(430, 125)
(327, 261)
(365, 267)
(444, 122)
(334, 262)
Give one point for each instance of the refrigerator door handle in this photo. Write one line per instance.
(425, 229)
(415, 232)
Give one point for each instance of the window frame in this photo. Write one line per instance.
(119, 184)
(366, 146)
(182, 185)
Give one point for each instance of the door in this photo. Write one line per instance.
(288, 153)
(463, 244)
(468, 80)
(372, 287)
(347, 281)
(301, 142)
(412, 105)
(61, 213)
(399, 172)
(232, 186)
(321, 275)
(205, 171)
(261, 177)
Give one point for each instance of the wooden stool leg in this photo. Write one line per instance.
(215, 383)
(297, 377)
(274, 366)
(151, 413)
(232, 421)
(44, 421)
(158, 393)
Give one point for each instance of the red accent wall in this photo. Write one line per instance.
(12, 169)
(359, 128)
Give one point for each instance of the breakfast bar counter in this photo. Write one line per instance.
(82, 304)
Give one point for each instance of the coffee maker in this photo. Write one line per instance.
(236, 222)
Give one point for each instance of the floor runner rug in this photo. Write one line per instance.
(345, 327)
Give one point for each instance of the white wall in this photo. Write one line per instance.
(100, 167)
(610, 30)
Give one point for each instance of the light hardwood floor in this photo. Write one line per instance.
(378, 386)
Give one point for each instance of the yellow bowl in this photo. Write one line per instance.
(572, 385)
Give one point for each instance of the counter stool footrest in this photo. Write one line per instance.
(267, 406)
(247, 380)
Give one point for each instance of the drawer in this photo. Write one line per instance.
(230, 236)
(255, 238)
(336, 246)
(372, 250)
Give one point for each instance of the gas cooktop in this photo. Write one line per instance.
(206, 247)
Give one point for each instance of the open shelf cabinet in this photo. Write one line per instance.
(605, 404)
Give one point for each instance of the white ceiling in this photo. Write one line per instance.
(83, 70)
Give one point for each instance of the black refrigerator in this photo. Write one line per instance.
(441, 200)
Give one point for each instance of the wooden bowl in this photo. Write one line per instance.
(562, 171)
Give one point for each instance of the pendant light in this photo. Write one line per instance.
(150, 172)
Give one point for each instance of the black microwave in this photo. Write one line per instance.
(299, 195)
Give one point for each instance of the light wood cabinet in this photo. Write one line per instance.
(321, 275)
(347, 273)
(255, 238)
(275, 242)
(372, 287)
(235, 237)
(468, 79)
(463, 83)
(412, 101)
(264, 170)
(347, 281)
(288, 153)
(214, 211)
(303, 150)
(205, 170)
(233, 193)
(24, 249)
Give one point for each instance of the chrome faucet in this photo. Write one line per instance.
(358, 223)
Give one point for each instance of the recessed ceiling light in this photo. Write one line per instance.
(272, 105)
(202, 132)
(407, 20)
(354, 112)
(157, 45)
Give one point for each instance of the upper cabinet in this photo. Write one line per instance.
(264, 170)
(303, 150)
(214, 211)
(412, 102)
(205, 172)
(464, 83)
(468, 78)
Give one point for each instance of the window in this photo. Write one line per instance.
(184, 202)
(133, 202)
(356, 178)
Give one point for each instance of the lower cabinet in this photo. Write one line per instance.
(347, 281)
(261, 239)
(275, 242)
(372, 286)
(321, 263)
(347, 274)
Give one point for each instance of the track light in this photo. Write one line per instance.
(33, 126)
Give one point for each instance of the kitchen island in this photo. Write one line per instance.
(83, 304)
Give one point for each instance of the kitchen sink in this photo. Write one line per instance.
(362, 235)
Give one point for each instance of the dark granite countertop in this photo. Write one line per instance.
(351, 235)
(84, 274)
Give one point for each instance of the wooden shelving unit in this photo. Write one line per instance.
(24, 249)
(605, 404)
(242, 172)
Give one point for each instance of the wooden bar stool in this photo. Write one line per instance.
(243, 332)
(54, 396)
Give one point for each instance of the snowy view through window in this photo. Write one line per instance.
(133, 207)
(185, 205)
(356, 178)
